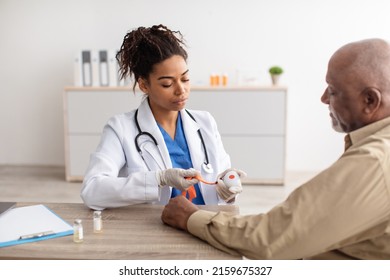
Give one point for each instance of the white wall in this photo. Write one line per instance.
(38, 40)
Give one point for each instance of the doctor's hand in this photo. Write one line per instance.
(228, 189)
(177, 178)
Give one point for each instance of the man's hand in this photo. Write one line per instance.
(177, 178)
(177, 212)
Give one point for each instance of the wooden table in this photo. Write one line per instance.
(132, 232)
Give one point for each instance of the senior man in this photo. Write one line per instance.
(344, 211)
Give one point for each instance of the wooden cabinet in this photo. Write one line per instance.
(252, 123)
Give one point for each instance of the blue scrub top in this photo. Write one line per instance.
(180, 156)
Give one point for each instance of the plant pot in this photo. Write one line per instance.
(275, 79)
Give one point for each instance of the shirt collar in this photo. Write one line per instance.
(365, 131)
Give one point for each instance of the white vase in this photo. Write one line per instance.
(275, 79)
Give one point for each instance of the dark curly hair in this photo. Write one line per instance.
(144, 47)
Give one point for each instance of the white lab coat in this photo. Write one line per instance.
(118, 176)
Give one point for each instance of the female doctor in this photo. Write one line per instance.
(154, 152)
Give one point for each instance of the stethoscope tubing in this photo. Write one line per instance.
(206, 164)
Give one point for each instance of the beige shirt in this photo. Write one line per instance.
(343, 212)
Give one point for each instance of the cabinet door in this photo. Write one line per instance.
(252, 126)
(80, 149)
(243, 112)
(262, 158)
(89, 111)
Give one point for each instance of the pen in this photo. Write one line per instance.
(36, 235)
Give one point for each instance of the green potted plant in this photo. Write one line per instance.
(275, 72)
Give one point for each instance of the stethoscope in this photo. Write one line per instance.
(206, 166)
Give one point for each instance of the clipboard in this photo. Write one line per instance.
(5, 206)
(30, 224)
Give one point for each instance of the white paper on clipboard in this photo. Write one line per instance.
(30, 224)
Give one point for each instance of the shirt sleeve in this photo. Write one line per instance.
(343, 205)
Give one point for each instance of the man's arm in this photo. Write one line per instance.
(177, 212)
(312, 220)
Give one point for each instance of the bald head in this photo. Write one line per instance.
(366, 62)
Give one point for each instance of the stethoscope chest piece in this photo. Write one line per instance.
(207, 167)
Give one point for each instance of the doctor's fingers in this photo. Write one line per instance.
(225, 195)
(240, 173)
(189, 172)
(186, 183)
(224, 192)
(236, 189)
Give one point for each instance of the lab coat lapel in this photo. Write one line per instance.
(191, 128)
(148, 124)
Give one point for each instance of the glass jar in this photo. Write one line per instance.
(78, 234)
(97, 221)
